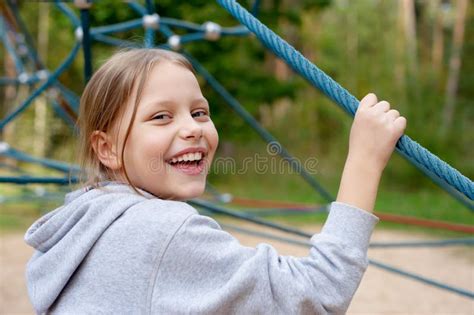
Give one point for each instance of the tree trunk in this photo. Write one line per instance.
(352, 42)
(41, 110)
(9, 97)
(454, 66)
(437, 51)
(409, 23)
(400, 67)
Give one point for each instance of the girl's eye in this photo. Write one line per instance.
(162, 117)
(200, 113)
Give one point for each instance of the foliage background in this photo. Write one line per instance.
(361, 44)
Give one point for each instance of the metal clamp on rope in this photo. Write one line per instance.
(151, 21)
(83, 4)
(79, 34)
(42, 74)
(174, 42)
(225, 198)
(212, 31)
(23, 77)
(4, 147)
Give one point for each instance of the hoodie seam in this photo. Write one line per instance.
(157, 264)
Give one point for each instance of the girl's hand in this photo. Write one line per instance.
(374, 133)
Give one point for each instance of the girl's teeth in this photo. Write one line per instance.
(188, 157)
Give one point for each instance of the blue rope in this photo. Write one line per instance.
(29, 40)
(21, 156)
(118, 27)
(233, 30)
(69, 96)
(9, 81)
(410, 149)
(375, 245)
(24, 180)
(86, 44)
(189, 26)
(284, 211)
(9, 46)
(63, 114)
(166, 31)
(469, 241)
(149, 32)
(425, 280)
(188, 38)
(69, 13)
(51, 79)
(247, 217)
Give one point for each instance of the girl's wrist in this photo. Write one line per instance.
(359, 184)
(365, 165)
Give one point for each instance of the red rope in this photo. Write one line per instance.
(409, 220)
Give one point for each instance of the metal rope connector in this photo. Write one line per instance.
(151, 21)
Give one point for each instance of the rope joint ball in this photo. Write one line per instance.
(79, 34)
(42, 74)
(23, 78)
(4, 147)
(151, 21)
(212, 31)
(175, 42)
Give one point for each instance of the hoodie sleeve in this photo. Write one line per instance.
(205, 270)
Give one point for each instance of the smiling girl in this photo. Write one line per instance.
(127, 243)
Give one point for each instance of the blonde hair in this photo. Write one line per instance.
(104, 100)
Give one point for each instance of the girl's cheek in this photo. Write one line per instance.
(213, 136)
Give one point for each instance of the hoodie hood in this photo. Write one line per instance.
(64, 237)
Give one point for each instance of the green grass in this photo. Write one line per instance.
(426, 203)
(20, 207)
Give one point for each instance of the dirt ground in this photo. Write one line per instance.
(380, 292)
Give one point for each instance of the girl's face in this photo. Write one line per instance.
(173, 140)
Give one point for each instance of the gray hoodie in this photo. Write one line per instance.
(112, 251)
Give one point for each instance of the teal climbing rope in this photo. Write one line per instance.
(406, 146)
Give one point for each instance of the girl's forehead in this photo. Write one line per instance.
(167, 79)
(169, 86)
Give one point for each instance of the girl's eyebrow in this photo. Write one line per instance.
(156, 103)
(166, 103)
(201, 100)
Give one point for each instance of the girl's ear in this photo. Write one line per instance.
(106, 150)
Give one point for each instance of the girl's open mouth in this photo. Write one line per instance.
(190, 163)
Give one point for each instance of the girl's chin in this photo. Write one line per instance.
(186, 193)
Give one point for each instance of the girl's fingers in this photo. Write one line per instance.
(400, 123)
(393, 114)
(368, 101)
(382, 107)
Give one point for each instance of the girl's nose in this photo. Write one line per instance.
(190, 129)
